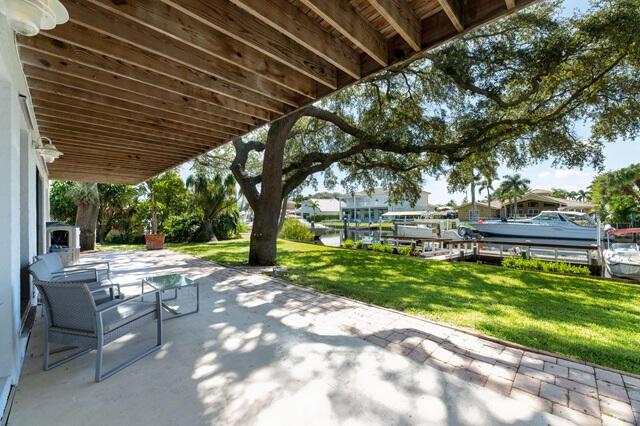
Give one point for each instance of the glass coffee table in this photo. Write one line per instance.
(173, 282)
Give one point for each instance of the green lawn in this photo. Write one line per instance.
(586, 318)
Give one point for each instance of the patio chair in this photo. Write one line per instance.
(73, 319)
(93, 272)
(101, 292)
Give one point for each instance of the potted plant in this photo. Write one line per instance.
(153, 240)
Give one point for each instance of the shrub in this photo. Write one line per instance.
(321, 217)
(381, 247)
(405, 250)
(359, 244)
(544, 266)
(348, 244)
(293, 229)
(183, 228)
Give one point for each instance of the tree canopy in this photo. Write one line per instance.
(617, 195)
(510, 92)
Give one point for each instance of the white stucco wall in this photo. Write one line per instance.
(18, 163)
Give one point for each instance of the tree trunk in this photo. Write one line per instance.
(267, 209)
(87, 220)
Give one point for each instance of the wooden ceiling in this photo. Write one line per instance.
(130, 88)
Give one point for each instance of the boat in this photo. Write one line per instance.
(415, 231)
(556, 225)
(623, 259)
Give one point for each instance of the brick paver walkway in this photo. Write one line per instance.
(581, 393)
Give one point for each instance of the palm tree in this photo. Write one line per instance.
(487, 182)
(515, 186)
(582, 195)
(313, 205)
(87, 199)
(214, 195)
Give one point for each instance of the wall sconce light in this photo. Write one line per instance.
(48, 151)
(28, 17)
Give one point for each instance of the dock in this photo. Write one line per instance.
(495, 250)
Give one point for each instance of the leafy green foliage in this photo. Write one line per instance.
(62, 207)
(583, 317)
(381, 247)
(293, 229)
(348, 244)
(404, 250)
(216, 197)
(359, 244)
(617, 195)
(544, 266)
(183, 228)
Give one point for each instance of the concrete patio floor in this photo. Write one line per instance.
(262, 352)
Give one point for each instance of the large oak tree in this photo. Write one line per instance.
(512, 92)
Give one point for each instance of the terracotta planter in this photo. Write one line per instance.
(154, 241)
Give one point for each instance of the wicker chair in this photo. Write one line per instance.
(73, 319)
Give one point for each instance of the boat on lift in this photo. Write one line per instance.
(556, 225)
(623, 259)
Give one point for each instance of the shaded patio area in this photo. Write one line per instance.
(260, 352)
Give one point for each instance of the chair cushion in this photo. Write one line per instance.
(125, 313)
(102, 296)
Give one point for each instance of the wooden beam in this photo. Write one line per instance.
(103, 113)
(115, 178)
(287, 19)
(229, 79)
(191, 117)
(400, 16)
(162, 18)
(342, 16)
(68, 52)
(511, 4)
(453, 9)
(241, 26)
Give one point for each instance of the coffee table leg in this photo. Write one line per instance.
(177, 314)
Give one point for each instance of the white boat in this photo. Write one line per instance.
(556, 225)
(416, 231)
(623, 259)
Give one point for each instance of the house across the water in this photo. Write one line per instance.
(529, 205)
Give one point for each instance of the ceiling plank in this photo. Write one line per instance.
(400, 16)
(69, 52)
(46, 117)
(229, 79)
(68, 147)
(161, 17)
(511, 4)
(86, 84)
(105, 114)
(125, 145)
(87, 141)
(342, 16)
(287, 19)
(241, 26)
(101, 132)
(453, 9)
(105, 47)
(168, 111)
(91, 118)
